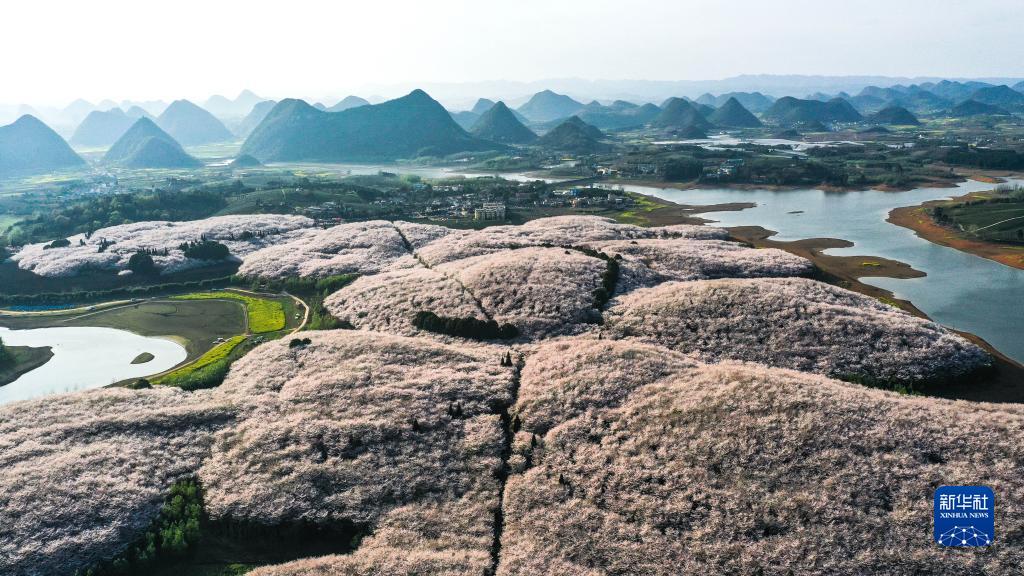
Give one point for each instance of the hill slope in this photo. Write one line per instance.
(574, 135)
(498, 124)
(1002, 96)
(974, 108)
(145, 145)
(619, 115)
(753, 101)
(482, 105)
(680, 113)
(30, 147)
(466, 119)
(136, 112)
(894, 115)
(190, 125)
(547, 105)
(789, 110)
(732, 114)
(255, 116)
(226, 108)
(407, 127)
(102, 128)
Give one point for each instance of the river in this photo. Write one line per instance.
(960, 290)
(86, 357)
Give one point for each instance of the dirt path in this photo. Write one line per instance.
(305, 315)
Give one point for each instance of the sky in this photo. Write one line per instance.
(56, 51)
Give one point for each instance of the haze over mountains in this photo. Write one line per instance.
(547, 105)
(575, 136)
(102, 128)
(29, 146)
(407, 127)
(417, 125)
(348, 102)
(224, 108)
(191, 125)
(499, 124)
(732, 114)
(145, 145)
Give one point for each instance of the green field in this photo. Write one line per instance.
(208, 370)
(264, 314)
(993, 221)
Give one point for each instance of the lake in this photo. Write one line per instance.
(960, 290)
(86, 358)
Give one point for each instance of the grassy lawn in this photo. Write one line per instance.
(22, 359)
(210, 367)
(265, 314)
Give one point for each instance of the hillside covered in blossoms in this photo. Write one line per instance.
(570, 396)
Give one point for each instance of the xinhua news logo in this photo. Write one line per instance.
(965, 516)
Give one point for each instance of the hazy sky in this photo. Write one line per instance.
(54, 51)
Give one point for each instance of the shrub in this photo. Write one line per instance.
(59, 243)
(205, 250)
(141, 263)
(464, 327)
(139, 384)
(177, 528)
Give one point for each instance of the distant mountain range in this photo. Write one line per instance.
(482, 105)
(28, 146)
(102, 129)
(969, 108)
(894, 116)
(137, 112)
(679, 113)
(546, 105)
(191, 125)
(1002, 96)
(619, 115)
(789, 111)
(253, 119)
(466, 119)
(732, 114)
(145, 145)
(407, 127)
(753, 101)
(575, 136)
(348, 102)
(238, 108)
(499, 124)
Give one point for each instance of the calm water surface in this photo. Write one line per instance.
(86, 358)
(960, 290)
